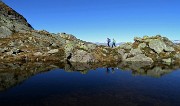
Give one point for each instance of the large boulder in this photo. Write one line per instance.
(158, 46)
(82, 56)
(140, 57)
(135, 52)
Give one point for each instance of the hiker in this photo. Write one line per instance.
(108, 41)
(113, 43)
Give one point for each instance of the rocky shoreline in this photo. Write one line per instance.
(20, 42)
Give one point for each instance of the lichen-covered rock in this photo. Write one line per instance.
(135, 52)
(82, 56)
(140, 57)
(157, 45)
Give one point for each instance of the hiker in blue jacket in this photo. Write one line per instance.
(108, 41)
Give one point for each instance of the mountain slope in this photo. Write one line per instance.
(11, 21)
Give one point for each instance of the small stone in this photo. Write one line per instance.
(38, 54)
(53, 51)
(169, 60)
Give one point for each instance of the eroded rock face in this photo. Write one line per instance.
(11, 21)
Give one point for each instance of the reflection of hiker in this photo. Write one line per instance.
(108, 41)
(113, 70)
(114, 43)
(107, 70)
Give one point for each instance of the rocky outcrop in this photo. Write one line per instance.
(151, 49)
(11, 21)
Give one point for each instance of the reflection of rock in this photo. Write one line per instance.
(157, 71)
(12, 74)
(154, 70)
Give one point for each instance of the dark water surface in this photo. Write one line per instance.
(93, 87)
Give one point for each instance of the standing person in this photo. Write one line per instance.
(108, 41)
(113, 43)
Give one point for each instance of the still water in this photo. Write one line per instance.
(92, 87)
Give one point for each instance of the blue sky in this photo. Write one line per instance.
(95, 20)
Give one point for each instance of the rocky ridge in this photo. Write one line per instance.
(26, 44)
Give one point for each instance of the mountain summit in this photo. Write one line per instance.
(11, 21)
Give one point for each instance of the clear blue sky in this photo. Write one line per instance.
(95, 20)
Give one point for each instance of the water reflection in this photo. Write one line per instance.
(12, 74)
(103, 84)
